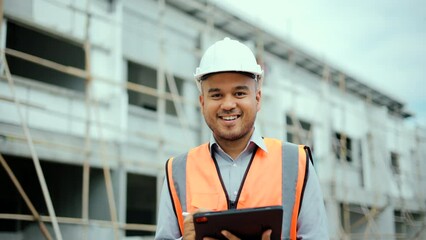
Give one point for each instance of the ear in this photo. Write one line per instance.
(201, 100)
(258, 99)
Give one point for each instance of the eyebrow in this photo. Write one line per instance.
(245, 88)
(213, 90)
(242, 88)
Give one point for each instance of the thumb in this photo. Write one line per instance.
(267, 235)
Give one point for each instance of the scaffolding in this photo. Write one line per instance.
(213, 19)
(91, 106)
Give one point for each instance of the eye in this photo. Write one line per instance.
(240, 94)
(215, 95)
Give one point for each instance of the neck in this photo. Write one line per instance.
(234, 147)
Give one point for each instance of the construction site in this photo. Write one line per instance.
(96, 95)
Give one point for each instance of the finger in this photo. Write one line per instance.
(203, 210)
(188, 219)
(229, 235)
(188, 225)
(266, 235)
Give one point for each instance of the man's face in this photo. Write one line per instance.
(230, 102)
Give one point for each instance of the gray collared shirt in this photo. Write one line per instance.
(312, 221)
(232, 170)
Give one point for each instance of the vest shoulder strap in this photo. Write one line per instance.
(176, 178)
(294, 168)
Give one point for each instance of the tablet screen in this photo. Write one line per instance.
(247, 223)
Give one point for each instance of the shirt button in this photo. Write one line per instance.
(234, 165)
(235, 193)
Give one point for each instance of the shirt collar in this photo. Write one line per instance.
(255, 138)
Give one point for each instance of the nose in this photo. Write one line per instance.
(228, 103)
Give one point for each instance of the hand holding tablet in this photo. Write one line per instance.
(248, 223)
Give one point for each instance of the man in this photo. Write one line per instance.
(238, 168)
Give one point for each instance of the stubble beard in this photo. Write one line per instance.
(229, 136)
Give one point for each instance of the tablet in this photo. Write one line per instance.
(247, 223)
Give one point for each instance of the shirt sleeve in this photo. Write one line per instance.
(167, 225)
(312, 221)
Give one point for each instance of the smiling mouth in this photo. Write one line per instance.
(229, 118)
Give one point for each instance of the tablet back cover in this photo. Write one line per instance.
(243, 223)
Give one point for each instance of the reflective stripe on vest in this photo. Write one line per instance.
(194, 182)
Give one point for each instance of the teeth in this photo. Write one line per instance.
(229, 118)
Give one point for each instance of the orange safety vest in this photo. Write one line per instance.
(271, 178)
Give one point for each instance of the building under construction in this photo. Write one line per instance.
(95, 96)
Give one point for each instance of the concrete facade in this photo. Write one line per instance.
(119, 113)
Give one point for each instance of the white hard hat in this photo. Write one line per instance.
(227, 55)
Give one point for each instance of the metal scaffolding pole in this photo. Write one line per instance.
(27, 200)
(88, 122)
(34, 155)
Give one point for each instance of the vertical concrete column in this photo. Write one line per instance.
(161, 82)
(160, 182)
(333, 214)
(192, 116)
(365, 160)
(386, 223)
(120, 102)
(324, 146)
(119, 182)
